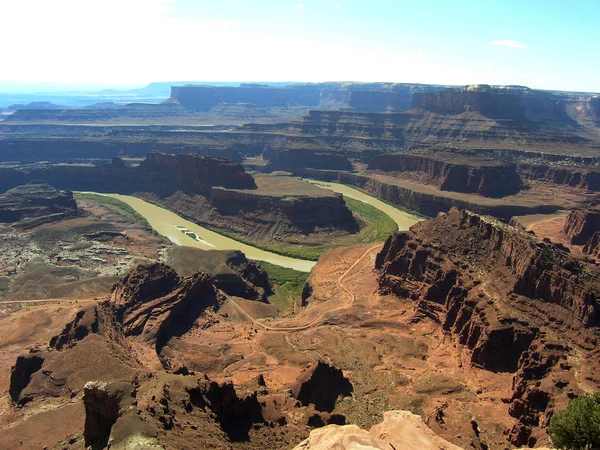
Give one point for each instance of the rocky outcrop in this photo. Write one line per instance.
(20, 374)
(592, 246)
(321, 385)
(111, 418)
(33, 204)
(398, 430)
(85, 322)
(231, 271)
(535, 269)
(451, 172)
(154, 303)
(499, 290)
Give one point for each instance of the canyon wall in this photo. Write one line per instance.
(511, 102)
(159, 173)
(426, 203)
(34, 149)
(293, 159)
(490, 104)
(583, 177)
(454, 173)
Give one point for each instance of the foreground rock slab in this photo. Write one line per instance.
(399, 430)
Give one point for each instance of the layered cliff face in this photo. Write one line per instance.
(33, 204)
(160, 173)
(294, 159)
(293, 218)
(351, 124)
(191, 173)
(377, 97)
(428, 200)
(595, 108)
(509, 102)
(582, 177)
(581, 224)
(453, 172)
(518, 303)
(494, 104)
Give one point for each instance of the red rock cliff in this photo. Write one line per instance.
(520, 304)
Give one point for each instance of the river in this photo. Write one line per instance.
(186, 233)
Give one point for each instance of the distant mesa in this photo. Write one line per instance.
(35, 105)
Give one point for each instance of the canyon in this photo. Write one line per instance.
(478, 340)
(471, 329)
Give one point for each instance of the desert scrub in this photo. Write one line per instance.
(578, 426)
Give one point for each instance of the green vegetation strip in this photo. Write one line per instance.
(379, 225)
(288, 285)
(103, 200)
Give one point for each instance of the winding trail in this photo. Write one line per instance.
(321, 316)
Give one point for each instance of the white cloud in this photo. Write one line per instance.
(508, 43)
(299, 6)
(338, 6)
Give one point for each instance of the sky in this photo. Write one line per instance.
(544, 44)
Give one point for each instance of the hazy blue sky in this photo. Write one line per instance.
(547, 44)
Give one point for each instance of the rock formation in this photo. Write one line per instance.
(33, 204)
(499, 290)
(154, 303)
(231, 271)
(214, 192)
